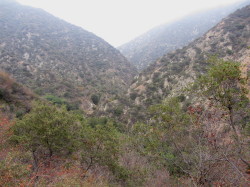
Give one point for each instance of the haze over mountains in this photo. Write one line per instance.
(150, 46)
(52, 56)
(172, 73)
(88, 118)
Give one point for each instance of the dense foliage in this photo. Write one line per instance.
(185, 121)
(57, 58)
(203, 144)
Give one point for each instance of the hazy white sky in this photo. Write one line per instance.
(119, 21)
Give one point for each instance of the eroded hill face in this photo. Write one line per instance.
(163, 39)
(168, 76)
(52, 56)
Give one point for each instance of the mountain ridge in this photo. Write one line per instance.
(171, 74)
(150, 46)
(52, 56)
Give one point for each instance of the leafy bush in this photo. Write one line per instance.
(46, 130)
(156, 77)
(2, 93)
(181, 98)
(49, 131)
(229, 52)
(133, 95)
(95, 99)
(55, 100)
(93, 122)
(118, 111)
(20, 113)
(100, 146)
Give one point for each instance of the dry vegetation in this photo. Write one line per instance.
(201, 145)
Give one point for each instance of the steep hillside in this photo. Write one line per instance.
(52, 56)
(168, 76)
(165, 38)
(15, 99)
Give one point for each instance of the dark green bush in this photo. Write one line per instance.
(55, 100)
(133, 95)
(118, 111)
(95, 99)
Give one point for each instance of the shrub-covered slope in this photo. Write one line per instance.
(15, 99)
(165, 38)
(52, 56)
(172, 73)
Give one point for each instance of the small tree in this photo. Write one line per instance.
(172, 124)
(46, 130)
(100, 146)
(225, 85)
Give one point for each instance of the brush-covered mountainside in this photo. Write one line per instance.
(54, 57)
(204, 143)
(15, 99)
(165, 38)
(172, 73)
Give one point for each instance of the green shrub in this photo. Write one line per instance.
(133, 95)
(55, 100)
(181, 98)
(95, 99)
(20, 113)
(99, 145)
(229, 52)
(97, 121)
(118, 111)
(46, 130)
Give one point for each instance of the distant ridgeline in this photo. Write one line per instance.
(171, 74)
(152, 45)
